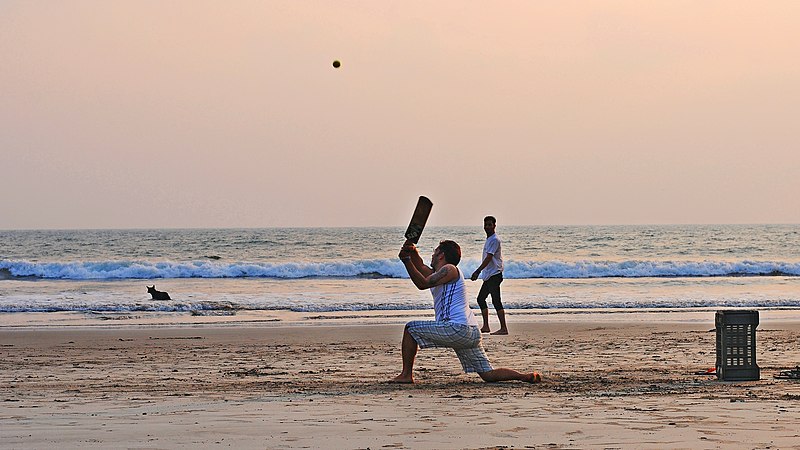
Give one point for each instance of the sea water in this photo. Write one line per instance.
(352, 269)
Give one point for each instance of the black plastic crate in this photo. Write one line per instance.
(736, 345)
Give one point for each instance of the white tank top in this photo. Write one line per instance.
(450, 302)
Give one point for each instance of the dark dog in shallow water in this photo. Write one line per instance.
(157, 295)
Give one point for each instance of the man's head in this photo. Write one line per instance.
(489, 224)
(450, 250)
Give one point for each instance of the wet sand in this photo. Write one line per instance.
(319, 381)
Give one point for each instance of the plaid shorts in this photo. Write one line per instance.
(464, 339)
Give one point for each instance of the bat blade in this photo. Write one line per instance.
(418, 219)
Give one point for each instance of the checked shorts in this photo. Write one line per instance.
(465, 340)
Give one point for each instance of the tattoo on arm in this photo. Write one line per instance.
(435, 278)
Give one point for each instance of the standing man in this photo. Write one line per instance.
(492, 268)
(455, 326)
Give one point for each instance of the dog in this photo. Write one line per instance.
(157, 295)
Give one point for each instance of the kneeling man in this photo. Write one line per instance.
(455, 326)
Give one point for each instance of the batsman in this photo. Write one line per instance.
(455, 326)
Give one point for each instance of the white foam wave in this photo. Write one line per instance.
(384, 268)
(640, 269)
(110, 270)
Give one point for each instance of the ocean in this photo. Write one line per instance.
(356, 269)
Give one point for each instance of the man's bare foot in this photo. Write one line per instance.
(501, 331)
(402, 379)
(533, 377)
(485, 330)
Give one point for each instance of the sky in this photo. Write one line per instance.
(193, 113)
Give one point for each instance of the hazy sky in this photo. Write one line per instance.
(128, 114)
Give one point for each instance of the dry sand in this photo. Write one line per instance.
(303, 381)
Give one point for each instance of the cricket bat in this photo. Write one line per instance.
(418, 219)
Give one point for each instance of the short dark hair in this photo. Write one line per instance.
(490, 219)
(451, 250)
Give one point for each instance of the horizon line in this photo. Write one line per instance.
(567, 225)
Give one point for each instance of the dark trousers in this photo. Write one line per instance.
(491, 287)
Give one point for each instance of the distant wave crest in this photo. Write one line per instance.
(117, 270)
(640, 269)
(382, 268)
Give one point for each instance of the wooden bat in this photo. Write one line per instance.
(418, 219)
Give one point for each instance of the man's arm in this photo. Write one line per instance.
(483, 265)
(447, 274)
(411, 251)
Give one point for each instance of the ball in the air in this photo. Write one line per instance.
(336, 64)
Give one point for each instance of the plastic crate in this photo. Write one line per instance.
(736, 345)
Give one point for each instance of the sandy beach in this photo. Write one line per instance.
(290, 380)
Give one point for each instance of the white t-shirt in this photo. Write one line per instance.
(495, 266)
(450, 302)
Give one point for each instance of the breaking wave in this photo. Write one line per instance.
(383, 268)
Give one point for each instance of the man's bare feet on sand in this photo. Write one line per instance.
(533, 377)
(485, 330)
(400, 379)
(500, 331)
